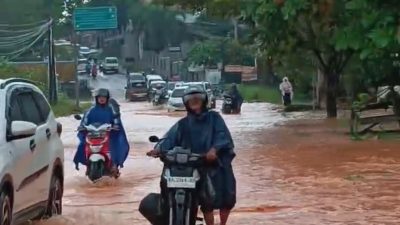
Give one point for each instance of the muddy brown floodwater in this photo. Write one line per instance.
(290, 170)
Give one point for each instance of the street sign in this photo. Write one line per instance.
(95, 18)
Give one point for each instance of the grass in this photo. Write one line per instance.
(262, 93)
(66, 107)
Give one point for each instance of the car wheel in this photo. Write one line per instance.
(54, 206)
(6, 209)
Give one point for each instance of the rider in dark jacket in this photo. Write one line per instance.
(105, 110)
(205, 132)
(237, 98)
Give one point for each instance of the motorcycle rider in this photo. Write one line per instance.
(206, 134)
(88, 67)
(104, 111)
(237, 98)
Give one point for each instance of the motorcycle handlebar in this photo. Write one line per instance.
(109, 129)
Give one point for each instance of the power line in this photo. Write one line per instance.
(15, 42)
(24, 41)
(21, 51)
(24, 25)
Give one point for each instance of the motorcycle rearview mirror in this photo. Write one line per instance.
(154, 139)
(78, 117)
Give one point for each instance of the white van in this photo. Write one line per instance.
(152, 77)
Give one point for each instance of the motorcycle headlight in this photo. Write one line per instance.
(96, 148)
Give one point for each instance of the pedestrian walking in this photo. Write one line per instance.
(287, 91)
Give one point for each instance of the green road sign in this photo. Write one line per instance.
(95, 18)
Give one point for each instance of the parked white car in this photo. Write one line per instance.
(31, 154)
(175, 101)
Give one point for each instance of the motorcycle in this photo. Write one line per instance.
(228, 106)
(182, 179)
(159, 97)
(88, 69)
(94, 71)
(97, 150)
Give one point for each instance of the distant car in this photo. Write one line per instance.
(152, 77)
(110, 64)
(84, 50)
(31, 155)
(136, 87)
(82, 66)
(206, 86)
(175, 101)
(171, 86)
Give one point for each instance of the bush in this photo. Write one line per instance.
(259, 93)
(262, 93)
(66, 106)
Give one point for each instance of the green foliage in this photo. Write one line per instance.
(206, 53)
(9, 71)
(260, 93)
(28, 11)
(330, 31)
(362, 101)
(66, 107)
(212, 52)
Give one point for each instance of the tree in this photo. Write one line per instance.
(206, 53)
(31, 11)
(331, 31)
(212, 52)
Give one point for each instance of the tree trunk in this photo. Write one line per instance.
(331, 93)
(321, 90)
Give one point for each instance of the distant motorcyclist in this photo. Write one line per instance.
(237, 98)
(287, 91)
(205, 132)
(88, 68)
(105, 111)
(94, 70)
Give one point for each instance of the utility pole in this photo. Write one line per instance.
(76, 54)
(52, 81)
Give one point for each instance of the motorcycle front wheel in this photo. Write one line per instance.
(96, 170)
(186, 216)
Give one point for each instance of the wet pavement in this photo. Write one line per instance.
(290, 170)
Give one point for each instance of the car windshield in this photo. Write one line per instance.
(111, 61)
(178, 93)
(197, 86)
(83, 61)
(157, 85)
(138, 84)
(136, 77)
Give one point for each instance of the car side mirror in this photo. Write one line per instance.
(154, 139)
(78, 117)
(23, 128)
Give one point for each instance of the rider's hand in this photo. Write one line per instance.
(153, 153)
(212, 155)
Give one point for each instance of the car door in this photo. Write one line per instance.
(21, 151)
(34, 110)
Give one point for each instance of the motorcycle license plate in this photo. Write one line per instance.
(181, 182)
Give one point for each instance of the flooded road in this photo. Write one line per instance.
(289, 171)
